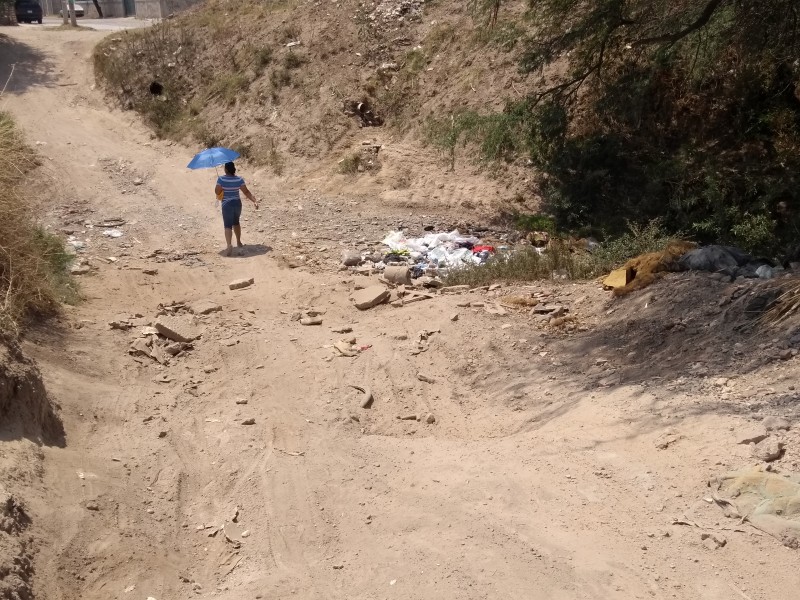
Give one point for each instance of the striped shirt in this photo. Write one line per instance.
(230, 185)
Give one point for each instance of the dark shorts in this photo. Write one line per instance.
(231, 211)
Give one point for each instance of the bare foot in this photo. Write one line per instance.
(228, 251)
(240, 244)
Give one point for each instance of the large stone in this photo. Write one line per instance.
(351, 258)
(369, 297)
(775, 423)
(768, 450)
(204, 307)
(238, 284)
(177, 329)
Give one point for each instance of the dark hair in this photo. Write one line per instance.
(230, 168)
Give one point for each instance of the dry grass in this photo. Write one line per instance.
(525, 264)
(786, 306)
(33, 263)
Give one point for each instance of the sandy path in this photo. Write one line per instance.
(527, 485)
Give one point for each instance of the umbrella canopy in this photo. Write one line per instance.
(213, 157)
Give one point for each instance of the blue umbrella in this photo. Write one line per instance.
(213, 157)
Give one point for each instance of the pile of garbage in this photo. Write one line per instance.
(726, 262)
(433, 254)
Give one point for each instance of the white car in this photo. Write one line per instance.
(79, 12)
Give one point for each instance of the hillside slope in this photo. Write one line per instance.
(281, 82)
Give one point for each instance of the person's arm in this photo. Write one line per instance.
(249, 196)
(218, 190)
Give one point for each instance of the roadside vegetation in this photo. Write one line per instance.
(567, 259)
(34, 267)
(608, 113)
(687, 111)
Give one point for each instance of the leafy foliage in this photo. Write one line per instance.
(683, 110)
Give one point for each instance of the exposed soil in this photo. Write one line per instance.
(561, 462)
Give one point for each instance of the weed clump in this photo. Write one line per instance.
(34, 275)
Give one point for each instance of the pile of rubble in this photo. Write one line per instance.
(388, 11)
(171, 335)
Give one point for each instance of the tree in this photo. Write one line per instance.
(683, 109)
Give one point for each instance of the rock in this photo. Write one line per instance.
(430, 419)
(311, 321)
(495, 286)
(752, 435)
(494, 309)
(140, 346)
(351, 258)
(162, 434)
(408, 418)
(786, 354)
(370, 297)
(209, 369)
(346, 329)
(767, 450)
(150, 271)
(174, 348)
(721, 381)
(425, 378)
(204, 307)
(241, 401)
(246, 533)
(454, 317)
(398, 275)
(80, 270)
(238, 284)
(177, 329)
(92, 505)
(547, 309)
(776, 423)
(120, 324)
(138, 181)
(713, 541)
(249, 422)
(667, 439)
(464, 304)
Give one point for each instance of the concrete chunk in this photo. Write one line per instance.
(238, 284)
(204, 307)
(369, 297)
(177, 329)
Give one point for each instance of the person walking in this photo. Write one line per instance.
(228, 187)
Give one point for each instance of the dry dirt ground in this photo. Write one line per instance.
(556, 466)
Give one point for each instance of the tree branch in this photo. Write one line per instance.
(671, 38)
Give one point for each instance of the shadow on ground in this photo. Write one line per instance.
(23, 67)
(247, 251)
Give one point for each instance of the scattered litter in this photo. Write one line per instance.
(366, 402)
(113, 233)
(368, 397)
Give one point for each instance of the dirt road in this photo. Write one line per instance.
(532, 482)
